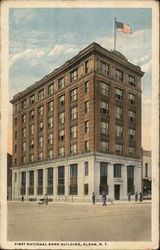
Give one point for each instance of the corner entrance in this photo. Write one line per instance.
(117, 192)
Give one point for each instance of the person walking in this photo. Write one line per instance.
(104, 198)
(46, 199)
(129, 196)
(140, 197)
(136, 196)
(93, 198)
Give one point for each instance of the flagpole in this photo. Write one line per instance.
(115, 34)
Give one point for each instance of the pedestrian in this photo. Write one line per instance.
(93, 198)
(136, 196)
(104, 198)
(140, 197)
(129, 196)
(46, 199)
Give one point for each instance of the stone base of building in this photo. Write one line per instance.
(75, 178)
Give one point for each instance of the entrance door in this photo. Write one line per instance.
(117, 192)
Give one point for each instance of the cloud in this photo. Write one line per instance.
(146, 66)
(63, 48)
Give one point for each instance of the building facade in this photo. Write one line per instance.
(9, 176)
(78, 130)
(147, 172)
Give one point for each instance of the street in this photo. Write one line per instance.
(79, 222)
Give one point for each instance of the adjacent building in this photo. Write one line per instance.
(147, 172)
(78, 130)
(9, 176)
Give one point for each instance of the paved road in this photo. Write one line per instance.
(79, 222)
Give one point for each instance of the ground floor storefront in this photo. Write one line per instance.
(77, 177)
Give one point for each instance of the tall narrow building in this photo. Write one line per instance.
(78, 130)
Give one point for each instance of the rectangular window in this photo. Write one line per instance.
(40, 141)
(131, 81)
(24, 104)
(31, 144)
(61, 135)
(86, 126)
(118, 131)
(61, 83)
(32, 99)
(104, 146)
(31, 115)
(86, 146)
(104, 88)
(40, 126)
(15, 107)
(146, 169)
(74, 113)
(86, 189)
(86, 168)
(118, 75)
(40, 110)
(130, 179)
(23, 183)
(40, 156)
(61, 101)
(50, 89)
(61, 152)
(118, 94)
(50, 122)
(40, 181)
(132, 99)
(118, 113)
(73, 95)
(86, 107)
(103, 178)
(23, 118)
(73, 149)
(132, 150)
(61, 118)
(50, 138)
(23, 132)
(118, 148)
(32, 129)
(31, 182)
(104, 68)
(15, 121)
(86, 87)
(50, 154)
(104, 108)
(74, 75)
(23, 159)
(50, 181)
(132, 134)
(73, 132)
(117, 171)
(104, 128)
(73, 179)
(40, 95)
(15, 148)
(86, 67)
(132, 116)
(61, 177)
(31, 157)
(24, 146)
(50, 106)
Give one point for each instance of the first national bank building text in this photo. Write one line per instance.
(78, 130)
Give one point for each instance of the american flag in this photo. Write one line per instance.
(123, 27)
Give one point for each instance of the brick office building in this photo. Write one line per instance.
(78, 129)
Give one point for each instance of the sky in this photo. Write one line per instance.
(42, 39)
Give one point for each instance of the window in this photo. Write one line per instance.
(40, 126)
(15, 177)
(50, 138)
(104, 108)
(118, 148)
(73, 149)
(61, 177)
(23, 159)
(23, 183)
(74, 75)
(32, 98)
(132, 116)
(86, 189)
(15, 107)
(119, 131)
(132, 133)
(73, 132)
(40, 141)
(104, 146)
(50, 89)
(15, 135)
(31, 115)
(15, 148)
(50, 106)
(104, 68)
(23, 118)
(50, 122)
(132, 99)
(31, 143)
(118, 113)
(61, 118)
(86, 87)
(40, 156)
(86, 67)
(61, 151)
(130, 179)
(146, 169)
(15, 121)
(86, 107)
(32, 129)
(73, 95)
(104, 88)
(24, 146)
(31, 182)
(103, 178)
(23, 132)
(104, 128)
(61, 83)
(50, 154)
(40, 181)
(86, 146)
(40, 95)
(131, 81)
(118, 94)
(31, 157)
(73, 179)
(118, 75)
(50, 181)
(86, 126)
(61, 101)
(132, 150)
(86, 168)
(74, 113)
(40, 110)
(61, 135)
(117, 171)
(24, 104)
